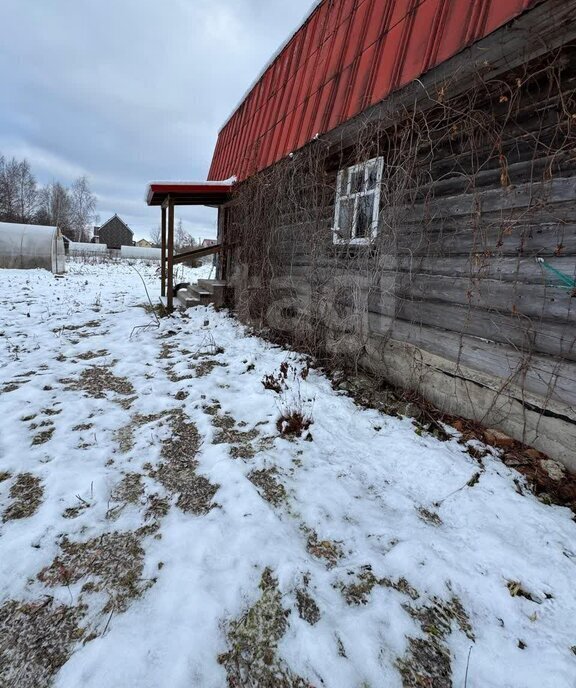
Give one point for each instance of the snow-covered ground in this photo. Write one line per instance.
(158, 530)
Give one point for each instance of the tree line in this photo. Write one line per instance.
(183, 241)
(23, 200)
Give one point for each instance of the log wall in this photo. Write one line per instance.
(457, 297)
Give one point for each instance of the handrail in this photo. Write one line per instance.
(195, 253)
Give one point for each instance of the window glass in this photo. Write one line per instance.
(357, 181)
(364, 216)
(343, 190)
(345, 218)
(372, 176)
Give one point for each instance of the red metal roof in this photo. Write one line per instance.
(347, 56)
(189, 193)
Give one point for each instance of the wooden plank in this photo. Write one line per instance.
(539, 302)
(516, 371)
(163, 254)
(196, 253)
(521, 333)
(482, 266)
(505, 237)
(170, 265)
(559, 190)
(476, 266)
(450, 179)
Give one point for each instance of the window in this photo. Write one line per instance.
(358, 202)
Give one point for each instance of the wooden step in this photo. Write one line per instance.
(187, 299)
(216, 287)
(204, 296)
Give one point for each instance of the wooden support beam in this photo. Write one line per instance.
(170, 267)
(163, 245)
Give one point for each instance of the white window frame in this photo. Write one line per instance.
(348, 196)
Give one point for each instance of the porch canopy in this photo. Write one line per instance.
(167, 195)
(190, 193)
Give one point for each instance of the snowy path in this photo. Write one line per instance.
(157, 530)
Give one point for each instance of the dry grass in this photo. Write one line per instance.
(327, 550)
(364, 581)
(253, 640)
(43, 437)
(428, 660)
(111, 563)
(307, 608)
(178, 474)
(268, 486)
(90, 355)
(26, 494)
(96, 381)
(36, 639)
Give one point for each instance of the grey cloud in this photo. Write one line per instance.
(127, 91)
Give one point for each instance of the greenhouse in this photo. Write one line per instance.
(24, 247)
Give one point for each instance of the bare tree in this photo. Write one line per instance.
(25, 192)
(18, 191)
(56, 208)
(155, 235)
(181, 237)
(82, 209)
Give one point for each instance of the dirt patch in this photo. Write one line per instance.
(4, 475)
(253, 658)
(178, 471)
(130, 489)
(26, 494)
(12, 387)
(111, 563)
(75, 511)
(430, 517)
(125, 435)
(228, 432)
(268, 486)
(206, 367)
(307, 608)
(36, 639)
(89, 355)
(51, 411)
(75, 328)
(330, 551)
(43, 437)
(428, 661)
(97, 380)
(82, 427)
(166, 351)
(364, 581)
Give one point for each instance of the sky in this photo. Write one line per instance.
(131, 91)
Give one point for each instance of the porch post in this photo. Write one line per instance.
(163, 253)
(170, 285)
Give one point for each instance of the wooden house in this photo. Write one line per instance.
(405, 201)
(115, 233)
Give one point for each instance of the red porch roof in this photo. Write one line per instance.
(190, 193)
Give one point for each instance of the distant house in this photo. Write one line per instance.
(144, 243)
(95, 236)
(115, 233)
(208, 242)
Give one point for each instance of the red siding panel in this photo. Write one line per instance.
(348, 55)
